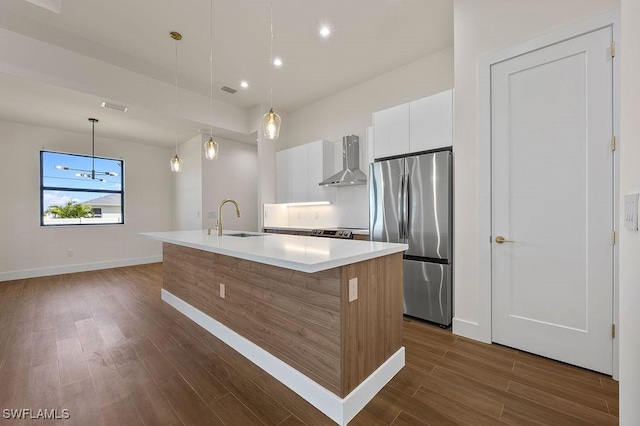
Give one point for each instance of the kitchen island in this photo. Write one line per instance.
(323, 316)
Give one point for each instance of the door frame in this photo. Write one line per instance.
(609, 19)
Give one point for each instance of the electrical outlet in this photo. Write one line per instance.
(69, 253)
(198, 214)
(222, 290)
(317, 215)
(298, 215)
(353, 289)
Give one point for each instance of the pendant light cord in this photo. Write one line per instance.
(271, 54)
(93, 149)
(211, 68)
(176, 94)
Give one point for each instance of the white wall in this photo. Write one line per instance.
(350, 112)
(481, 27)
(187, 186)
(233, 175)
(203, 184)
(27, 249)
(629, 240)
(266, 158)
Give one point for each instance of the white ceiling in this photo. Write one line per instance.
(369, 38)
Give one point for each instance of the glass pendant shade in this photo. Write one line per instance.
(211, 149)
(271, 125)
(176, 164)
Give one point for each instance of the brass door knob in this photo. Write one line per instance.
(500, 239)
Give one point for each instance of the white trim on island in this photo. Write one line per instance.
(340, 410)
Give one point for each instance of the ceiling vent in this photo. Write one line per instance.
(120, 108)
(228, 89)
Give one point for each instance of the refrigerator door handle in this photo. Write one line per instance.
(407, 204)
(401, 208)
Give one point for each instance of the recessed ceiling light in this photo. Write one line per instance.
(244, 84)
(325, 31)
(114, 106)
(277, 62)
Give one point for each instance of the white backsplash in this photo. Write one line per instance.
(350, 210)
(283, 216)
(313, 216)
(352, 206)
(276, 215)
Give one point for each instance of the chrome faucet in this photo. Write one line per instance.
(225, 201)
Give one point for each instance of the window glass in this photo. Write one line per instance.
(80, 190)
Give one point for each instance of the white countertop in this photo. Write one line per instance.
(354, 231)
(299, 253)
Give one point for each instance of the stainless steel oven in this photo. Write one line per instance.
(344, 234)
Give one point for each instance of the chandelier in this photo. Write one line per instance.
(90, 174)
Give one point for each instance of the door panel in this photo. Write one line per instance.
(552, 194)
(428, 203)
(427, 291)
(386, 211)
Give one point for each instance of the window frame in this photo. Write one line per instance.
(80, 190)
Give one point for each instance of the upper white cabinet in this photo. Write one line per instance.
(391, 131)
(283, 176)
(416, 126)
(299, 170)
(431, 122)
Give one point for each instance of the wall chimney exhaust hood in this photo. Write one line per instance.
(350, 173)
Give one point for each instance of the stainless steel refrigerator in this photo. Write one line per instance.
(411, 202)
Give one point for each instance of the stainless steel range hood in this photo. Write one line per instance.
(350, 173)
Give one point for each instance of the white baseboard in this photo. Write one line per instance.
(467, 329)
(70, 269)
(340, 410)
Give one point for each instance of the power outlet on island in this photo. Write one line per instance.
(353, 289)
(222, 291)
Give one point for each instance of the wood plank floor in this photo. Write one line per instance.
(104, 346)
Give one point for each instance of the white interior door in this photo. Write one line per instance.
(552, 195)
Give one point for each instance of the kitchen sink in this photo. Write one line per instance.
(243, 234)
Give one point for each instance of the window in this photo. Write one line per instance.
(80, 190)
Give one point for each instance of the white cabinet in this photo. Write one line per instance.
(299, 170)
(416, 126)
(321, 166)
(431, 122)
(283, 176)
(391, 131)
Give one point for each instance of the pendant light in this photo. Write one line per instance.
(271, 120)
(176, 162)
(90, 174)
(211, 146)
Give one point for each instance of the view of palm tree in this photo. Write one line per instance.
(69, 210)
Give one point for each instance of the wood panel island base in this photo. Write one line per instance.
(298, 326)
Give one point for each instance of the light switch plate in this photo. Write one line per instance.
(222, 290)
(353, 289)
(631, 211)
